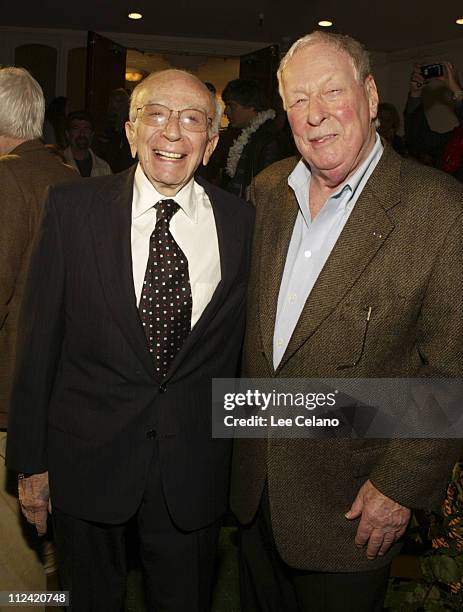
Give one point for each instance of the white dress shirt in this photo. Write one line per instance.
(193, 228)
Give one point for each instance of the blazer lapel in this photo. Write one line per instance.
(111, 228)
(365, 232)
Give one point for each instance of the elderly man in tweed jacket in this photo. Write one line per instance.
(358, 272)
(27, 168)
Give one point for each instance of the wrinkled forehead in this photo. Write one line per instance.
(176, 92)
(334, 59)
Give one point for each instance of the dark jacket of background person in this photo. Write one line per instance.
(423, 141)
(54, 126)
(25, 175)
(112, 145)
(262, 150)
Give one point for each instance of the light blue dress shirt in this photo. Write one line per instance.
(312, 241)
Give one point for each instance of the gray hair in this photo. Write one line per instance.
(22, 105)
(357, 53)
(139, 90)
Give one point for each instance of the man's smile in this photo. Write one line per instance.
(321, 140)
(169, 154)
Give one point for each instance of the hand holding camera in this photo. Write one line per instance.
(444, 71)
(417, 81)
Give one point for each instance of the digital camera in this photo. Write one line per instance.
(431, 71)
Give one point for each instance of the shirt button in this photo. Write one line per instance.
(307, 254)
(162, 388)
(280, 342)
(151, 434)
(292, 298)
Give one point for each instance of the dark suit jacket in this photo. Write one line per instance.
(264, 148)
(400, 253)
(25, 175)
(86, 404)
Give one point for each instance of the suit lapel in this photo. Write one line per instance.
(365, 232)
(111, 228)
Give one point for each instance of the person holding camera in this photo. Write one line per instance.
(442, 149)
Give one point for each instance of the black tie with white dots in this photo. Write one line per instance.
(166, 302)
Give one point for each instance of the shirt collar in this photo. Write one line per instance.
(146, 196)
(299, 179)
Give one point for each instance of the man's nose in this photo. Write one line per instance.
(172, 128)
(316, 111)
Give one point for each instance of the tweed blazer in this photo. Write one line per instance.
(400, 253)
(25, 175)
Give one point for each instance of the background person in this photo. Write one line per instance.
(79, 134)
(55, 122)
(112, 144)
(27, 169)
(257, 145)
(389, 125)
(445, 149)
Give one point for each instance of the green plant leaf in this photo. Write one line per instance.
(434, 593)
(445, 569)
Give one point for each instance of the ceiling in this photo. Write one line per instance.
(382, 26)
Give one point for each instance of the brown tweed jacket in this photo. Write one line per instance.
(400, 253)
(25, 175)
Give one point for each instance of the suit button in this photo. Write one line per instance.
(151, 434)
(162, 388)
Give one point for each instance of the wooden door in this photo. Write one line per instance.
(261, 66)
(105, 72)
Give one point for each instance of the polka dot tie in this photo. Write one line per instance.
(165, 304)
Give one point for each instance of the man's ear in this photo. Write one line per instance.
(131, 133)
(372, 95)
(210, 147)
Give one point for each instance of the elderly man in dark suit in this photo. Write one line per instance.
(357, 272)
(135, 301)
(27, 168)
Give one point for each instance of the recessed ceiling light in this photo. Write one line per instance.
(325, 23)
(134, 15)
(133, 76)
(459, 21)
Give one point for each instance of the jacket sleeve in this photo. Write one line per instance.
(424, 465)
(14, 236)
(268, 153)
(40, 337)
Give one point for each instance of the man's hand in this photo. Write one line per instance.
(450, 78)
(383, 521)
(416, 82)
(34, 498)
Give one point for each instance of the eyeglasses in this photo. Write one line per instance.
(158, 115)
